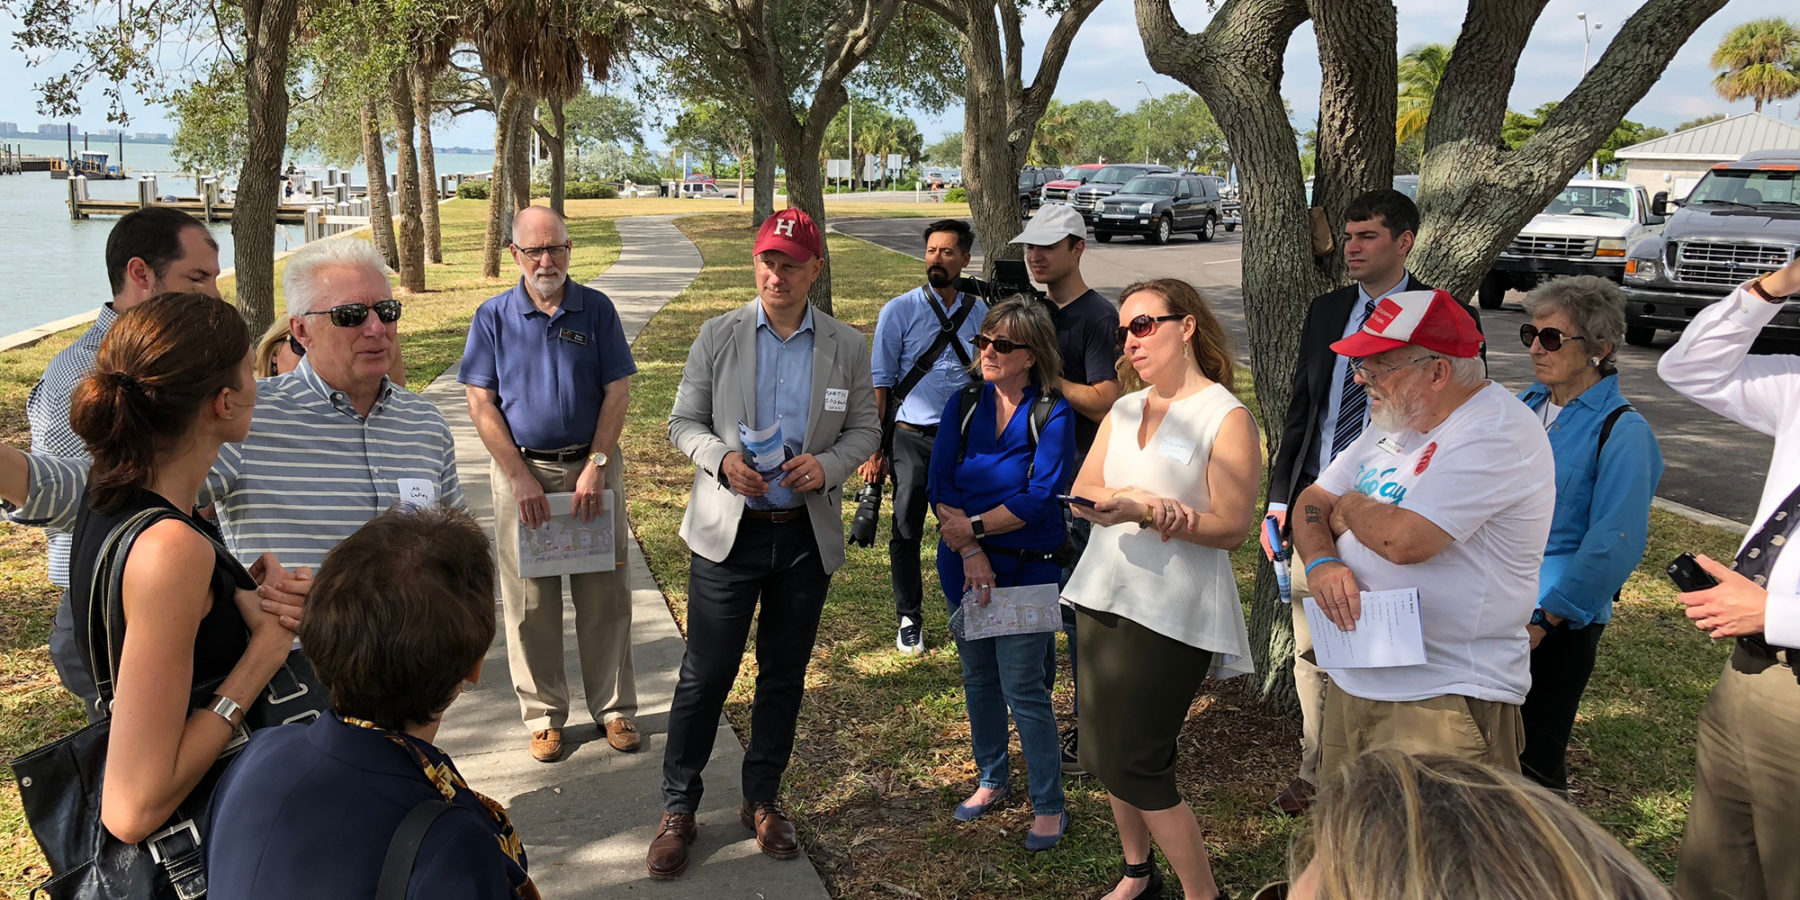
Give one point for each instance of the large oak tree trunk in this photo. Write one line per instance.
(411, 237)
(381, 213)
(762, 204)
(428, 174)
(267, 24)
(806, 192)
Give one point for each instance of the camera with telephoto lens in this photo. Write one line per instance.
(1010, 278)
(868, 514)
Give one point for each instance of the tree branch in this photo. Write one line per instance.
(956, 19)
(1013, 43)
(1470, 103)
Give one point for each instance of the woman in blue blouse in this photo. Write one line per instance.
(994, 492)
(1607, 467)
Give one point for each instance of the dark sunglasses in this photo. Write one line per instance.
(1000, 345)
(1551, 338)
(294, 345)
(350, 315)
(1143, 327)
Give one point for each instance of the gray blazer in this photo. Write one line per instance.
(719, 386)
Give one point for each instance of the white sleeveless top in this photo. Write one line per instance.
(1179, 589)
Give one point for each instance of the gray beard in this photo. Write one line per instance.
(539, 282)
(1397, 414)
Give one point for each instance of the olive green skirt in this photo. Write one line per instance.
(1134, 688)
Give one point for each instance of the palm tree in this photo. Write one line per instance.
(1056, 136)
(1421, 70)
(1761, 60)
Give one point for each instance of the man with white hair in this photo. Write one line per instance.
(1449, 492)
(548, 374)
(332, 444)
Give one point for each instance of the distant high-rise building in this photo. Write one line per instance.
(9, 129)
(52, 128)
(151, 136)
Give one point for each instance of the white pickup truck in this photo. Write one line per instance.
(1584, 231)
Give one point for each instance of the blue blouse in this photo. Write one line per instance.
(992, 472)
(1602, 518)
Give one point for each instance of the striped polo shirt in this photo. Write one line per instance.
(310, 472)
(47, 408)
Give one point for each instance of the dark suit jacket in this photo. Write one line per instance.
(1325, 321)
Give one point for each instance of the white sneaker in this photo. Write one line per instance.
(909, 641)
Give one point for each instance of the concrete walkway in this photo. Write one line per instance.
(587, 820)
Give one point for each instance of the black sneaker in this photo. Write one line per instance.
(908, 640)
(1071, 760)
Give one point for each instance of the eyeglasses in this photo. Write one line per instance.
(1142, 326)
(1370, 376)
(350, 315)
(1000, 345)
(1551, 338)
(295, 347)
(547, 250)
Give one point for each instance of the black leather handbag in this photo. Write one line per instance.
(60, 783)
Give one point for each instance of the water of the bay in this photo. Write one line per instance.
(52, 266)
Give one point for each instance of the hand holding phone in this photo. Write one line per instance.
(1075, 501)
(1688, 576)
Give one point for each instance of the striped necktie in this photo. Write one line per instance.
(1352, 404)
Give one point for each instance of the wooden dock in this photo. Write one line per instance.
(285, 214)
(12, 162)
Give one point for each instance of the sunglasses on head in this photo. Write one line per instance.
(1551, 338)
(1143, 327)
(295, 347)
(1000, 345)
(350, 315)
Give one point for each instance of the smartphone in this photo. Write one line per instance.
(1078, 501)
(1685, 571)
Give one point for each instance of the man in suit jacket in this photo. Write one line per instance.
(776, 408)
(1327, 410)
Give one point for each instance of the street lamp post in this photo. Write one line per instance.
(1587, 29)
(1152, 97)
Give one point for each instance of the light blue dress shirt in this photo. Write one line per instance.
(783, 393)
(907, 327)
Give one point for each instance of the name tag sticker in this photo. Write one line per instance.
(837, 399)
(1176, 449)
(418, 492)
(573, 337)
(1390, 445)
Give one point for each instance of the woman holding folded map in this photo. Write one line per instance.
(1001, 457)
(1173, 476)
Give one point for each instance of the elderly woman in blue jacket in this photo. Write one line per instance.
(1607, 467)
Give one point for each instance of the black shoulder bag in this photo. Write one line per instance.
(60, 783)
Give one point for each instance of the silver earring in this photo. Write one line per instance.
(1594, 361)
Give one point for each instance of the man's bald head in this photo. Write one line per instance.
(529, 221)
(540, 248)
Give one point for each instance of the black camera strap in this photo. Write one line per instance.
(948, 326)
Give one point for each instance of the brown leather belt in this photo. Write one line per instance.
(777, 516)
(929, 431)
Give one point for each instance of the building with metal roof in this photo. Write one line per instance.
(1675, 162)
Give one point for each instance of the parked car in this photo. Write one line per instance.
(704, 190)
(1031, 185)
(1105, 183)
(1158, 206)
(947, 177)
(1585, 230)
(1074, 177)
(1742, 219)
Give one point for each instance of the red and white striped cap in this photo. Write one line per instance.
(1432, 320)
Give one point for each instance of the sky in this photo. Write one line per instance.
(1109, 60)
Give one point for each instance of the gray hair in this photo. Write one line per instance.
(299, 282)
(1595, 304)
(1466, 371)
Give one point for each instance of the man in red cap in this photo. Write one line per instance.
(1449, 493)
(776, 408)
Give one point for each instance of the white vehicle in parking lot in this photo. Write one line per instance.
(1584, 231)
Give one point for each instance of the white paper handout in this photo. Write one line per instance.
(1387, 634)
(1026, 609)
(565, 545)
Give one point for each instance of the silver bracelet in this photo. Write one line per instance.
(968, 553)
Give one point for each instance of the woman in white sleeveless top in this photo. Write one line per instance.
(1174, 474)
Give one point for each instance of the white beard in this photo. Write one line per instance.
(549, 284)
(1396, 414)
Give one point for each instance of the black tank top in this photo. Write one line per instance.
(222, 637)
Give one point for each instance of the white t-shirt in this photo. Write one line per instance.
(1484, 475)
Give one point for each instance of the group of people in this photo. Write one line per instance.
(1085, 460)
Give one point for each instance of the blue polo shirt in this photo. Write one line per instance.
(549, 370)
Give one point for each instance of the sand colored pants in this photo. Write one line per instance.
(1485, 731)
(533, 609)
(1309, 682)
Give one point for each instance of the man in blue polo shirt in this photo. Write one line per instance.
(912, 385)
(548, 377)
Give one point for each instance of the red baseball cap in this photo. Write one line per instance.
(790, 231)
(1432, 320)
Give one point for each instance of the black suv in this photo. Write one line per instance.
(1157, 206)
(1108, 181)
(1031, 186)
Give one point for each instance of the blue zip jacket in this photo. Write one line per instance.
(1602, 515)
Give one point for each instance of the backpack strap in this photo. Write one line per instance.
(1612, 418)
(1041, 407)
(403, 850)
(966, 399)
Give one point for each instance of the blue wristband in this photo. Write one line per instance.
(1321, 561)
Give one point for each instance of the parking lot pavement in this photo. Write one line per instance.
(1712, 465)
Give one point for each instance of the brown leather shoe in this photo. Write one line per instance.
(622, 735)
(774, 830)
(669, 849)
(1295, 799)
(547, 745)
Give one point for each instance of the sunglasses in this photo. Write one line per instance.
(1551, 338)
(1143, 327)
(350, 315)
(294, 346)
(1000, 345)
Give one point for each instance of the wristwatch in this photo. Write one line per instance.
(1539, 619)
(226, 708)
(598, 459)
(975, 526)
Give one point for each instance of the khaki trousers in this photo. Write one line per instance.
(1309, 680)
(1485, 731)
(1743, 828)
(533, 611)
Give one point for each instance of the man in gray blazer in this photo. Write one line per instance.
(776, 409)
